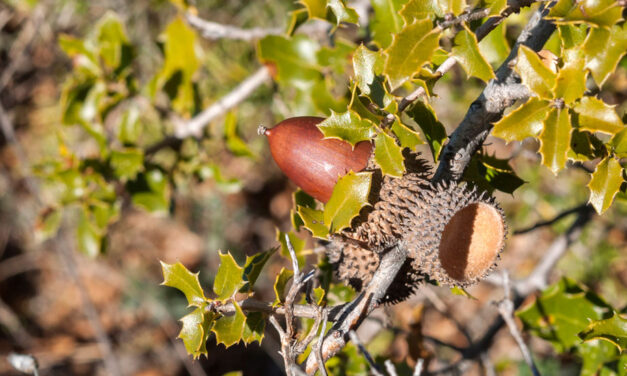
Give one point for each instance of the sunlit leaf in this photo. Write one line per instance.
(490, 173)
(572, 36)
(229, 329)
(388, 155)
(570, 83)
(280, 285)
(496, 6)
(584, 146)
(619, 143)
(494, 46)
(341, 12)
(597, 116)
(347, 126)
(88, 235)
(605, 184)
(300, 198)
(603, 13)
(111, 39)
(406, 136)
(613, 330)
(466, 52)
(228, 278)
(126, 163)
(366, 64)
(314, 221)
(254, 327)
(195, 331)
(349, 195)
(525, 121)
(433, 130)
(534, 74)
(316, 8)
(177, 276)
(386, 20)
(130, 126)
(421, 9)
(252, 268)
(603, 49)
(453, 6)
(411, 48)
(295, 59)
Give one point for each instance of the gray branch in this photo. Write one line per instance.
(214, 30)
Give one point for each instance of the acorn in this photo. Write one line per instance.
(312, 162)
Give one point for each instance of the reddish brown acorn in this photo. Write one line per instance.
(312, 162)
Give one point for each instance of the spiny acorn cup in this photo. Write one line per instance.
(452, 232)
(312, 162)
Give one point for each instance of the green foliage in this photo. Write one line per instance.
(613, 330)
(605, 183)
(349, 196)
(226, 283)
(177, 276)
(467, 53)
(388, 155)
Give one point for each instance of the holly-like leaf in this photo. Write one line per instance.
(195, 331)
(526, 121)
(347, 126)
(494, 46)
(254, 327)
(314, 221)
(466, 52)
(316, 8)
(411, 48)
(602, 13)
(177, 276)
(366, 64)
(605, 184)
(490, 173)
(111, 39)
(229, 277)
(572, 36)
(126, 163)
(229, 329)
(555, 139)
(341, 12)
(597, 116)
(534, 74)
(619, 143)
(297, 243)
(421, 9)
(280, 285)
(570, 83)
(561, 312)
(386, 21)
(252, 268)
(406, 136)
(584, 146)
(349, 195)
(433, 130)
(388, 155)
(496, 6)
(300, 198)
(295, 59)
(603, 49)
(613, 330)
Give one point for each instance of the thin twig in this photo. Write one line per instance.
(307, 311)
(476, 14)
(24, 363)
(419, 366)
(506, 310)
(214, 30)
(373, 366)
(318, 350)
(194, 126)
(551, 221)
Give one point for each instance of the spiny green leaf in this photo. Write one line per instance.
(421, 9)
(195, 331)
(316, 8)
(341, 12)
(453, 6)
(295, 59)
(602, 13)
(584, 146)
(254, 327)
(619, 143)
(605, 184)
(388, 155)
(300, 198)
(570, 83)
(366, 64)
(347, 126)
(561, 311)
(177, 276)
(229, 277)
(604, 49)
(411, 48)
(314, 221)
(386, 20)
(466, 52)
(433, 130)
(525, 121)
(496, 6)
(252, 268)
(534, 74)
(130, 128)
(336, 57)
(555, 139)
(490, 173)
(349, 195)
(280, 285)
(111, 39)
(597, 116)
(126, 163)
(613, 330)
(494, 46)
(407, 136)
(572, 36)
(229, 329)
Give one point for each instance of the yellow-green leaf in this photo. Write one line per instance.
(295, 59)
(316, 8)
(613, 330)
(195, 331)
(388, 155)
(496, 6)
(453, 6)
(597, 116)
(602, 13)
(254, 327)
(407, 136)
(179, 277)
(525, 121)
(466, 52)
(555, 139)
(619, 143)
(433, 130)
(126, 163)
(347, 126)
(604, 49)
(314, 221)
(572, 36)
(341, 12)
(411, 48)
(229, 329)
(605, 183)
(366, 64)
(280, 285)
(534, 74)
(421, 9)
(229, 277)
(252, 268)
(494, 46)
(349, 195)
(386, 21)
(570, 83)
(233, 141)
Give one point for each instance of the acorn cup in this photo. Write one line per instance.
(452, 232)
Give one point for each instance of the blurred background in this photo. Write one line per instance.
(79, 257)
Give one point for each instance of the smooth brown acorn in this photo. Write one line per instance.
(312, 162)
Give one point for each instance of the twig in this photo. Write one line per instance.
(318, 350)
(214, 30)
(551, 221)
(489, 106)
(419, 366)
(373, 366)
(195, 125)
(389, 367)
(476, 14)
(299, 310)
(24, 363)
(11, 322)
(358, 309)
(506, 310)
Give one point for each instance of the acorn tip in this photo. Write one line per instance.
(261, 130)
